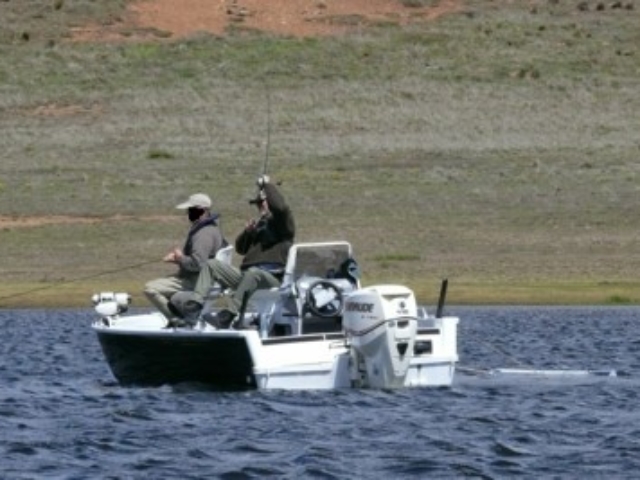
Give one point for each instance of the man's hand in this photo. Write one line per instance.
(251, 225)
(262, 181)
(173, 256)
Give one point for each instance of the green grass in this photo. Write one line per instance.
(496, 147)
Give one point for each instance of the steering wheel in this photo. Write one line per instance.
(324, 299)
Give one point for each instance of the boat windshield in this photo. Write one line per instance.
(317, 260)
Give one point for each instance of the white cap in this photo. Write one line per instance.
(200, 200)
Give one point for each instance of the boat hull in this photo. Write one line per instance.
(229, 359)
(157, 358)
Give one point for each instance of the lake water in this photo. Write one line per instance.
(63, 416)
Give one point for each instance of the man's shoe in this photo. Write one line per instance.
(176, 322)
(221, 320)
(187, 305)
(192, 310)
(249, 322)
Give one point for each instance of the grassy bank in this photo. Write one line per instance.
(72, 295)
(496, 147)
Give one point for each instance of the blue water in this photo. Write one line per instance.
(63, 416)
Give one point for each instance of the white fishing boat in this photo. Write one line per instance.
(320, 330)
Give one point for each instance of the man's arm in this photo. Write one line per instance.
(203, 243)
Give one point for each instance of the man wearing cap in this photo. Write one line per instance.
(204, 239)
(264, 243)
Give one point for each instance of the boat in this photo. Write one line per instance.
(319, 330)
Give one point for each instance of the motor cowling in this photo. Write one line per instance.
(381, 326)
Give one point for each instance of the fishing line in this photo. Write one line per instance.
(528, 370)
(79, 279)
(506, 354)
(491, 346)
(265, 163)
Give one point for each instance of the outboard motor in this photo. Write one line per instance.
(381, 326)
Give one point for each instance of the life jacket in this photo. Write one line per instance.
(196, 227)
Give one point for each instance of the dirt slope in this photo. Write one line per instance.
(298, 18)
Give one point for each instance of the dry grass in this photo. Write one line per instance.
(497, 148)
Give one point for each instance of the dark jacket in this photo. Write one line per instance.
(203, 242)
(269, 242)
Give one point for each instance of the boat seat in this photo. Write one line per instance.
(224, 255)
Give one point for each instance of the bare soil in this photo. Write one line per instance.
(297, 18)
(11, 222)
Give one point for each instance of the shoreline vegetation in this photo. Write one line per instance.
(464, 294)
(496, 146)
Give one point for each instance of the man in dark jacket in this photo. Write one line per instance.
(264, 243)
(204, 239)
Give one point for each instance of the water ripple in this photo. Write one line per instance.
(63, 416)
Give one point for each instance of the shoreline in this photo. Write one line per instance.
(30, 296)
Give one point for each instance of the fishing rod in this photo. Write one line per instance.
(75, 280)
(265, 165)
